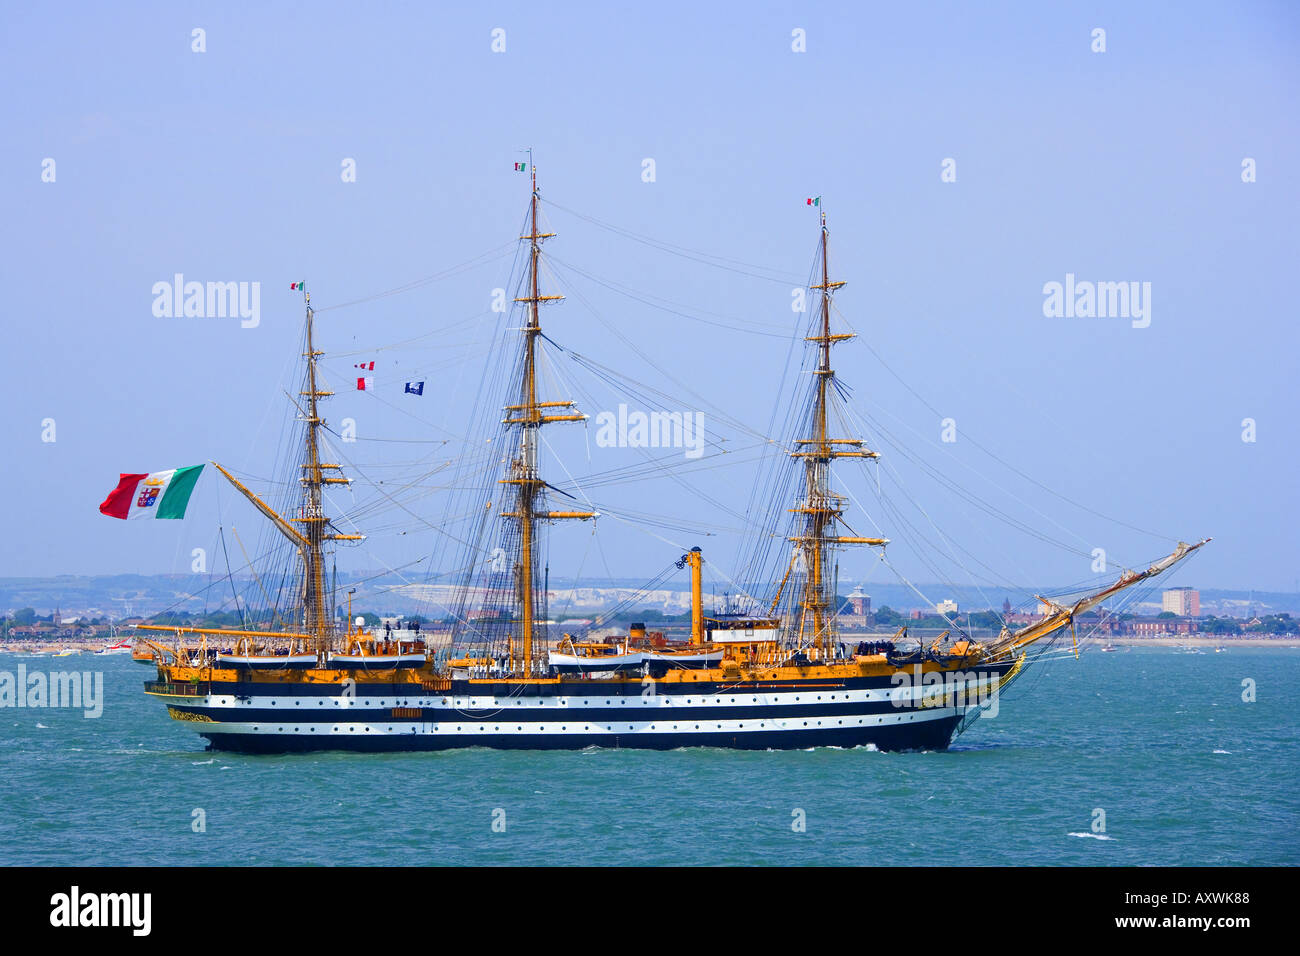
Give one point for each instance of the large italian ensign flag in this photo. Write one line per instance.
(163, 494)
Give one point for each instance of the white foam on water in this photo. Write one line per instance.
(1095, 836)
(40, 726)
(202, 763)
(1223, 751)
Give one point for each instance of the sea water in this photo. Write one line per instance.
(1141, 757)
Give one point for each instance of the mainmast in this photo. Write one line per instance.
(528, 415)
(819, 506)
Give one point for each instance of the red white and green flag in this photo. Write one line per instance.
(297, 286)
(813, 201)
(521, 167)
(162, 494)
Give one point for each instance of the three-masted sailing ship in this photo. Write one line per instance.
(777, 675)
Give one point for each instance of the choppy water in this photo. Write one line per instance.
(1160, 740)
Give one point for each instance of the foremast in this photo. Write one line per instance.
(309, 529)
(527, 507)
(819, 509)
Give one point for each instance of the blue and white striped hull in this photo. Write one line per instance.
(280, 718)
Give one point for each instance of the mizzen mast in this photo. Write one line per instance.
(314, 527)
(528, 415)
(820, 508)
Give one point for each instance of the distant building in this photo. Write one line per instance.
(1160, 627)
(946, 607)
(1006, 606)
(860, 601)
(1185, 602)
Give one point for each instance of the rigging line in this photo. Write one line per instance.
(230, 577)
(406, 343)
(573, 591)
(1005, 464)
(375, 397)
(675, 544)
(916, 503)
(682, 251)
(607, 375)
(649, 361)
(559, 461)
(869, 424)
(249, 562)
(666, 305)
(384, 492)
(480, 259)
(683, 483)
(408, 441)
(946, 540)
(598, 368)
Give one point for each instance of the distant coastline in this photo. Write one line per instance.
(1222, 641)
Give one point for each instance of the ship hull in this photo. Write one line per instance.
(289, 717)
(935, 734)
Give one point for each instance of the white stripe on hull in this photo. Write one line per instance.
(498, 727)
(298, 704)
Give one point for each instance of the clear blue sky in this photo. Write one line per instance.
(225, 165)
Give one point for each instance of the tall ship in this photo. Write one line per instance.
(772, 671)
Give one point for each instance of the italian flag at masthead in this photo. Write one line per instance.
(162, 494)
